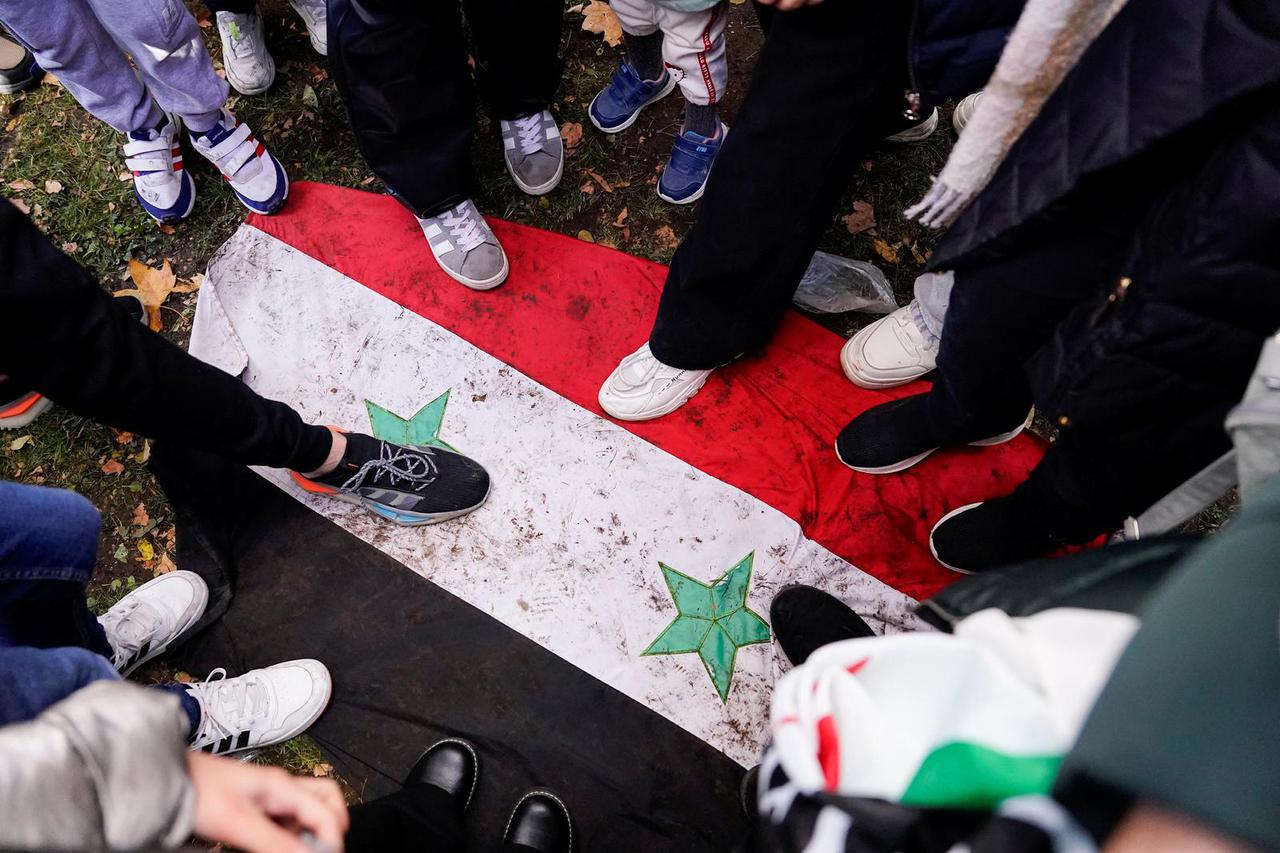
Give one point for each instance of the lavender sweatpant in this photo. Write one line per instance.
(85, 42)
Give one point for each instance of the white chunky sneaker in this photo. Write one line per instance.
(642, 388)
(888, 353)
(144, 623)
(465, 247)
(256, 177)
(964, 111)
(534, 152)
(312, 13)
(154, 156)
(260, 708)
(250, 68)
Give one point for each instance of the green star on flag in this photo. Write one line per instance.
(423, 429)
(712, 620)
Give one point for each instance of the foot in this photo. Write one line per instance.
(257, 178)
(18, 406)
(154, 156)
(261, 708)
(466, 248)
(805, 619)
(893, 436)
(617, 105)
(533, 152)
(642, 388)
(250, 68)
(144, 623)
(541, 822)
(964, 111)
(313, 14)
(450, 765)
(684, 179)
(890, 352)
(917, 132)
(995, 533)
(18, 68)
(407, 485)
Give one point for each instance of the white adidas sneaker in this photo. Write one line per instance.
(888, 353)
(252, 172)
(144, 623)
(642, 388)
(261, 708)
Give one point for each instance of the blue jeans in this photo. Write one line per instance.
(50, 644)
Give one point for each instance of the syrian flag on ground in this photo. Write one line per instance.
(600, 625)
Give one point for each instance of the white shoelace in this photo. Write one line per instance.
(228, 705)
(128, 626)
(242, 42)
(532, 137)
(464, 225)
(415, 468)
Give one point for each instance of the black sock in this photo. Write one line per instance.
(645, 54)
(702, 119)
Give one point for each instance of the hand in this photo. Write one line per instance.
(788, 5)
(264, 809)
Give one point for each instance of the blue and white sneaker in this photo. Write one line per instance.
(616, 106)
(154, 156)
(685, 178)
(256, 176)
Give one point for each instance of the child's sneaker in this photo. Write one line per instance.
(154, 156)
(250, 68)
(261, 708)
(617, 105)
(256, 176)
(313, 14)
(144, 623)
(19, 407)
(407, 485)
(685, 178)
(466, 248)
(534, 152)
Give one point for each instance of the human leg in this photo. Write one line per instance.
(425, 814)
(694, 42)
(641, 79)
(33, 679)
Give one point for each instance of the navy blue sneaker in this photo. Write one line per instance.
(685, 178)
(164, 188)
(617, 105)
(256, 176)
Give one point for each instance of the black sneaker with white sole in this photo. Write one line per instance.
(995, 533)
(404, 484)
(805, 619)
(893, 436)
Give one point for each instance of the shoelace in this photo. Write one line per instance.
(240, 46)
(416, 468)
(532, 137)
(463, 225)
(228, 705)
(129, 626)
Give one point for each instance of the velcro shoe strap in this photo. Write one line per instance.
(231, 153)
(158, 161)
(147, 146)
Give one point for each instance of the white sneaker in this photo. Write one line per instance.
(888, 353)
(917, 132)
(964, 111)
(250, 68)
(312, 13)
(154, 156)
(256, 177)
(642, 388)
(144, 623)
(260, 708)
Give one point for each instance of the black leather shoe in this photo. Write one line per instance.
(540, 821)
(450, 765)
(805, 619)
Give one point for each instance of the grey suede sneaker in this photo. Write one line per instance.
(466, 247)
(534, 152)
(250, 69)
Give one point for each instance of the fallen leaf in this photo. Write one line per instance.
(143, 455)
(597, 17)
(204, 18)
(321, 769)
(70, 248)
(587, 188)
(367, 181)
(182, 677)
(666, 237)
(123, 436)
(585, 236)
(140, 516)
(622, 217)
(884, 250)
(21, 186)
(20, 204)
(124, 176)
(574, 9)
(309, 97)
(571, 134)
(146, 550)
(12, 123)
(166, 228)
(604, 185)
(52, 80)
(165, 565)
(153, 288)
(20, 442)
(921, 257)
(543, 203)
(862, 219)
(52, 187)
(112, 467)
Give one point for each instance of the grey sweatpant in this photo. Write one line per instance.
(84, 43)
(933, 294)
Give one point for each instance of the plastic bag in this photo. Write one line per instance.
(833, 284)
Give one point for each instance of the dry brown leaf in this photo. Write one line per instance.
(884, 250)
(70, 248)
(587, 188)
(124, 176)
(111, 467)
(22, 185)
(597, 17)
(140, 515)
(166, 228)
(20, 442)
(622, 217)
(20, 204)
(667, 237)
(322, 769)
(604, 185)
(123, 436)
(863, 218)
(52, 187)
(585, 236)
(204, 18)
(165, 565)
(153, 288)
(921, 257)
(367, 181)
(52, 80)
(571, 134)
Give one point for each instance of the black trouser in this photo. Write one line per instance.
(415, 819)
(62, 335)
(828, 85)
(238, 7)
(401, 68)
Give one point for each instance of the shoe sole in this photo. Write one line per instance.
(172, 218)
(311, 721)
(851, 372)
(662, 412)
(702, 189)
(488, 284)
(402, 517)
(251, 90)
(942, 521)
(543, 189)
(203, 598)
(919, 457)
(263, 211)
(662, 93)
(35, 410)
